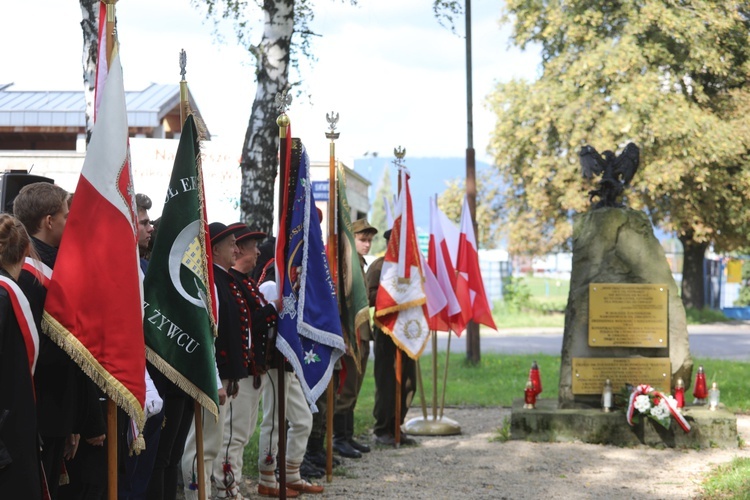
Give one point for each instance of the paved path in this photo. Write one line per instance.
(719, 341)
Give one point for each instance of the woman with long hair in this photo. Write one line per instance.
(20, 472)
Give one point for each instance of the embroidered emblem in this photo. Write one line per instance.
(311, 357)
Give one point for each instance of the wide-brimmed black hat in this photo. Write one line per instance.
(218, 231)
(247, 234)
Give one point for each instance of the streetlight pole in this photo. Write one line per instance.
(472, 330)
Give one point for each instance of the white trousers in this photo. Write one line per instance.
(231, 429)
(212, 434)
(239, 426)
(298, 415)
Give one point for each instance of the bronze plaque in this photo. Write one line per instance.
(628, 315)
(589, 374)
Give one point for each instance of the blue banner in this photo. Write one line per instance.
(310, 334)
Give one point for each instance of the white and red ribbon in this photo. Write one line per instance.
(41, 271)
(25, 319)
(645, 389)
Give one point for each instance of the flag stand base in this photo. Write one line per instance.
(428, 426)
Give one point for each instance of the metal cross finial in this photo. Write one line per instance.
(183, 63)
(332, 119)
(283, 100)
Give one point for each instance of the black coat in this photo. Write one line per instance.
(263, 320)
(21, 478)
(232, 344)
(67, 400)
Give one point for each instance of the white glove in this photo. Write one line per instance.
(154, 402)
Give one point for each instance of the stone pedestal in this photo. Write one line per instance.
(548, 423)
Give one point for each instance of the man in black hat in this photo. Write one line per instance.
(343, 419)
(232, 354)
(384, 410)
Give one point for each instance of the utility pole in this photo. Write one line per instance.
(472, 329)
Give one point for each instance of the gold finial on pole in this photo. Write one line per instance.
(184, 99)
(283, 101)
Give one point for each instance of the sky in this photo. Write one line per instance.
(392, 72)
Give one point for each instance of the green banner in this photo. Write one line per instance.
(355, 307)
(177, 323)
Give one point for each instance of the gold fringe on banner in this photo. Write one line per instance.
(183, 383)
(112, 387)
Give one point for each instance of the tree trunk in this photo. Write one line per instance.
(692, 272)
(260, 149)
(90, 28)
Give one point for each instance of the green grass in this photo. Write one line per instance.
(508, 318)
(703, 316)
(728, 481)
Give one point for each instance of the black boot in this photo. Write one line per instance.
(340, 442)
(362, 448)
(316, 453)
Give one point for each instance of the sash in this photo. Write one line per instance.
(38, 269)
(25, 320)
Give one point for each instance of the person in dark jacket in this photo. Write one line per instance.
(67, 400)
(20, 471)
(232, 351)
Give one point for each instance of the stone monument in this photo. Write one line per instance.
(624, 320)
(624, 324)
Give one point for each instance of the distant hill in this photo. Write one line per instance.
(429, 176)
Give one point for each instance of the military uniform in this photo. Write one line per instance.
(384, 410)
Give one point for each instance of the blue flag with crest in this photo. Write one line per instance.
(310, 335)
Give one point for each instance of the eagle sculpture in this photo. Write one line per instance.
(616, 172)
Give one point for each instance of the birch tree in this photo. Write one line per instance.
(286, 38)
(90, 32)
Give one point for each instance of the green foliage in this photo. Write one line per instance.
(489, 228)
(727, 481)
(744, 298)
(502, 434)
(703, 316)
(516, 294)
(670, 78)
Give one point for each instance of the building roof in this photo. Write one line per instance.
(56, 108)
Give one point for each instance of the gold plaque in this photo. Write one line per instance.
(628, 315)
(589, 374)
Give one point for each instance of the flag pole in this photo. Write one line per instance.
(421, 390)
(197, 409)
(445, 374)
(111, 405)
(283, 100)
(399, 152)
(332, 120)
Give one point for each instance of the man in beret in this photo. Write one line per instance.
(232, 355)
(343, 418)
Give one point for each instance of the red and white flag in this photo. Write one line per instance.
(401, 303)
(94, 303)
(436, 300)
(469, 276)
(458, 311)
(102, 65)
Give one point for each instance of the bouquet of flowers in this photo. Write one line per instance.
(647, 401)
